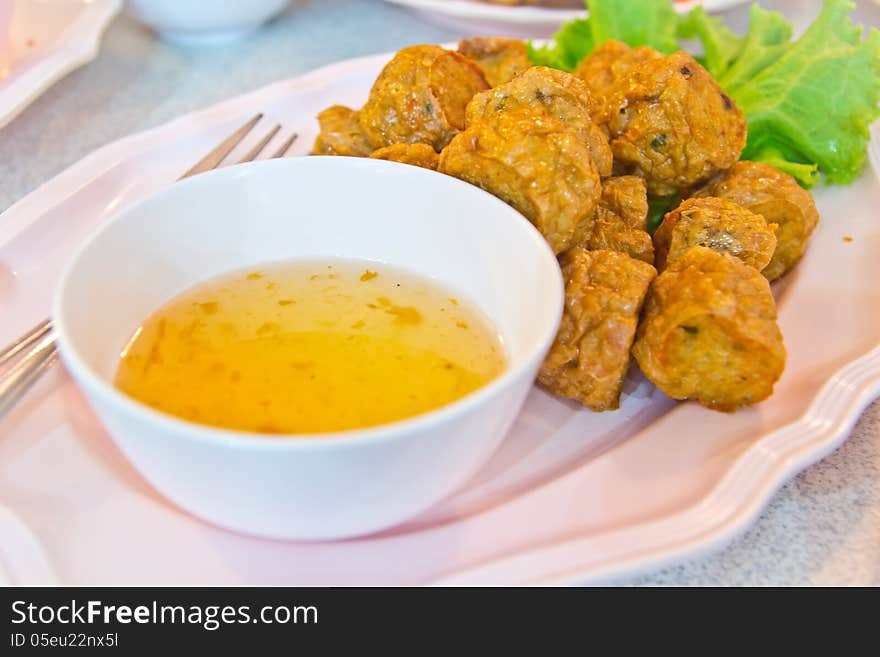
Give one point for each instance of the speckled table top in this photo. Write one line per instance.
(822, 528)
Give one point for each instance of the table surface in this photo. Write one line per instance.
(822, 528)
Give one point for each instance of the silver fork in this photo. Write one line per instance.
(23, 361)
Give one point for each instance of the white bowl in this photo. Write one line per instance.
(334, 485)
(205, 22)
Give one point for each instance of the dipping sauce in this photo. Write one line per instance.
(309, 347)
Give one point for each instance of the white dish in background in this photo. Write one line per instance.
(205, 22)
(48, 39)
(474, 17)
(332, 485)
(655, 483)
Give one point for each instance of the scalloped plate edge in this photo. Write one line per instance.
(725, 513)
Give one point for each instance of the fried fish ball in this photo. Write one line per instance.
(420, 97)
(604, 292)
(621, 220)
(767, 191)
(609, 62)
(419, 155)
(501, 59)
(558, 95)
(535, 163)
(709, 332)
(672, 124)
(718, 224)
(341, 133)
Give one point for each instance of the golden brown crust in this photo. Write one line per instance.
(717, 224)
(709, 332)
(604, 292)
(774, 194)
(558, 95)
(621, 219)
(419, 155)
(500, 59)
(602, 69)
(532, 143)
(672, 124)
(537, 165)
(341, 133)
(420, 97)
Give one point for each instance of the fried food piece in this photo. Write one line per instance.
(532, 143)
(419, 155)
(672, 124)
(602, 69)
(767, 191)
(717, 224)
(341, 133)
(621, 221)
(604, 292)
(501, 59)
(420, 97)
(558, 95)
(535, 163)
(709, 332)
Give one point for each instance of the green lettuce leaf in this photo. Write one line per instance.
(569, 46)
(658, 207)
(720, 45)
(805, 173)
(766, 41)
(810, 101)
(635, 22)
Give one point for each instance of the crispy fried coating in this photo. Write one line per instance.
(622, 219)
(602, 69)
(535, 163)
(767, 191)
(709, 332)
(419, 155)
(341, 133)
(672, 124)
(532, 143)
(501, 59)
(717, 224)
(420, 97)
(558, 95)
(604, 292)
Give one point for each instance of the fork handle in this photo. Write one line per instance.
(21, 376)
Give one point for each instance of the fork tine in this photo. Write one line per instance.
(285, 146)
(25, 341)
(215, 157)
(252, 154)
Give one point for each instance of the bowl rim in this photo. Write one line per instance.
(88, 379)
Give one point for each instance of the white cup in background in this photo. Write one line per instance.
(204, 22)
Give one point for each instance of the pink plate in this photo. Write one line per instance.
(46, 41)
(570, 497)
